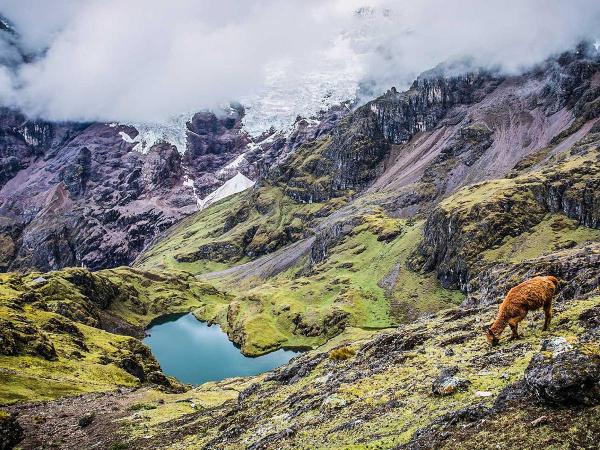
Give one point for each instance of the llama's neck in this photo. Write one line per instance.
(499, 325)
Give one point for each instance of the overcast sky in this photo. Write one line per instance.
(147, 60)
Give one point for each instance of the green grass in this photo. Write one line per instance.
(407, 383)
(27, 377)
(555, 232)
(265, 313)
(265, 220)
(87, 357)
(188, 235)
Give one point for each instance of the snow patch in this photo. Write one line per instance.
(172, 131)
(31, 139)
(236, 163)
(130, 140)
(232, 186)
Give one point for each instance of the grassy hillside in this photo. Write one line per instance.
(74, 331)
(234, 230)
(363, 280)
(379, 394)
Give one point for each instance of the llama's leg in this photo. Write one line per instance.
(514, 327)
(548, 315)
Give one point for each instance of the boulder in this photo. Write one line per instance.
(568, 377)
(157, 377)
(11, 432)
(132, 367)
(556, 345)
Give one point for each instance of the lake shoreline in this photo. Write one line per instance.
(195, 351)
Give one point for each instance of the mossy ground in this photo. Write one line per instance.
(375, 399)
(554, 233)
(363, 281)
(27, 378)
(189, 234)
(364, 278)
(86, 356)
(252, 223)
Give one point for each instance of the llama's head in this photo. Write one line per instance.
(491, 337)
(554, 281)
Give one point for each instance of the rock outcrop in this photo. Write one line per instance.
(482, 216)
(566, 377)
(11, 432)
(349, 157)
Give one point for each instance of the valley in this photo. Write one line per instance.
(378, 240)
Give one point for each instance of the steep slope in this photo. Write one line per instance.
(296, 241)
(414, 213)
(92, 195)
(97, 194)
(430, 384)
(74, 331)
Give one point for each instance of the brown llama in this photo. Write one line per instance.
(530, 295)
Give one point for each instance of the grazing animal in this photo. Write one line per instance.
(532, 294)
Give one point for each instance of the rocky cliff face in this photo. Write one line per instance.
(78, 194)
(82, 196)
(484, 216)
(349, 157)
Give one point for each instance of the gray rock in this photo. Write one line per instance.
(569, 377)
(556, 345)
(334, 402)
(11, 432)
(86, 419)
(447, 383)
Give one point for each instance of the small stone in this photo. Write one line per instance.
(483, 394)
(447, 383)
(449, 352)
(86, 419)
(539, 421)
(323, 379)
(556, 345)
(334, 402)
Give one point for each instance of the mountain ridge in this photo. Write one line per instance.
(379, 239)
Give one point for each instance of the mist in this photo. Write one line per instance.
(151, 60)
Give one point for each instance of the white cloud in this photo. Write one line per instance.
(148, 60)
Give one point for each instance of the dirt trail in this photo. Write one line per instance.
(55, 424)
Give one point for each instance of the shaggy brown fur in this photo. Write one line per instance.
(532, 294)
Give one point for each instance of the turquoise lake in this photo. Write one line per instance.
(195, 352)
